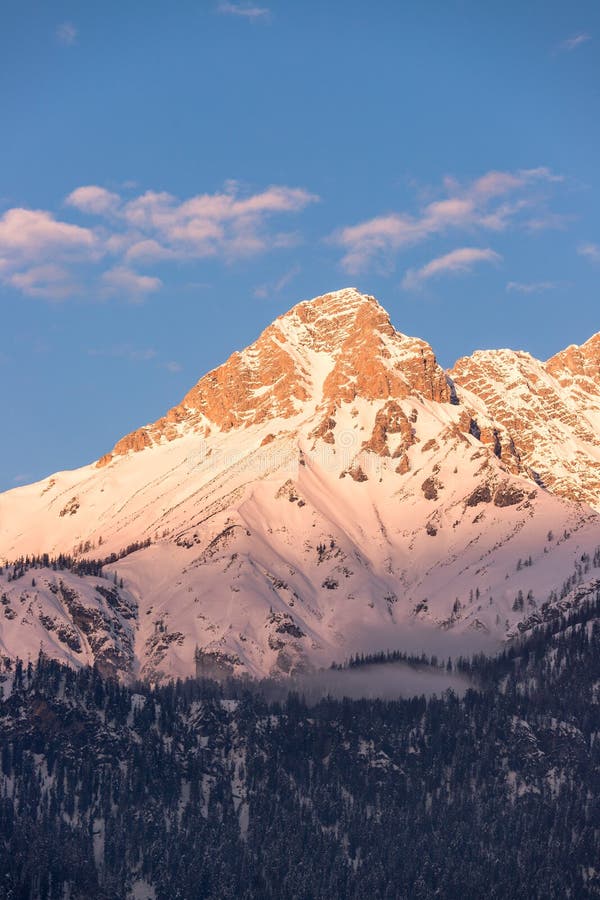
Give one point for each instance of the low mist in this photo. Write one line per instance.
(384, 681)
(415, 638)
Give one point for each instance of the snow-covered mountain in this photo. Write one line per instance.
(329, 489)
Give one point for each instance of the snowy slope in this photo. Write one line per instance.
(327, 490)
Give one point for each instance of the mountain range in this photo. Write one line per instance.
(328, 491)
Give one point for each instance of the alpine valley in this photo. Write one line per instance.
(328, 491)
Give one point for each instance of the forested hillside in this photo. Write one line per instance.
(201, 790)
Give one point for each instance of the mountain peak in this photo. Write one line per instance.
(326, 321)
(336, 302)
(322, 352)
(318, 483)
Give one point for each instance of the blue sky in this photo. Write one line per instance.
(174, 176)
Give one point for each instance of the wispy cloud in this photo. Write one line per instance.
(575, 41)
(267, 290)
(458, 261)
(541, 173)
(66, 33)
(132, 354)
(22, 478)
(124, 351)
(548, 221)
(244, 10)
(122, 281)
(531, 287)
(49, 281)
(493, 202)
(590, 251)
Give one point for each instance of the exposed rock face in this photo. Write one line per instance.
(430, 488)
(390, 421)
(577, 370)
(546, 414)
(481, 494)
(506, 495)
(375, 362)
(82, 619)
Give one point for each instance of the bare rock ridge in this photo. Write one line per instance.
(577, 369)
(550, 410)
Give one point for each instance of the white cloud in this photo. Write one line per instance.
(66, 33)
(209, 224)
(173, 367)
(224, 224)
(531, 287)
(93, 199)
(244, 10)
(49, 281)
(31, 233)
(122, 280)
(494, 184)
(149, 249)
(36, 249)
(458, 261)
(576, 41)
(158, 226)
(154, 227)
(375, 239)
(590, 251)
(481, 205)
